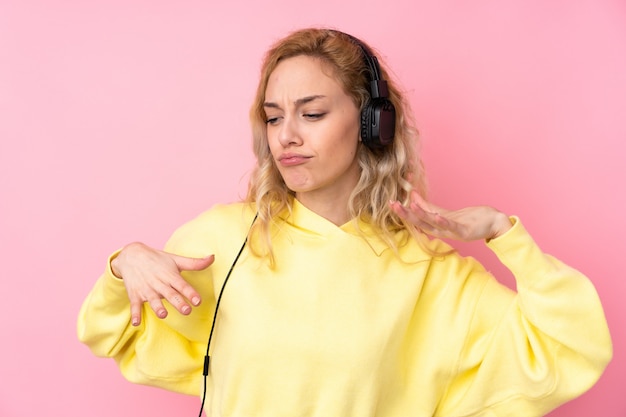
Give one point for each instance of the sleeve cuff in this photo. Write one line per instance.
(512, 239)
(109, 269)
(113, 284)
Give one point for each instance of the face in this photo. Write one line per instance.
(312, 130)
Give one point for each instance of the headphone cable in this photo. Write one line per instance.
(207, 358)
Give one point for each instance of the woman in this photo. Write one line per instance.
(338, 304)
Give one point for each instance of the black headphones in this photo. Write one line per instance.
(378, 117)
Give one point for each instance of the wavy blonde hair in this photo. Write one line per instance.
(386, 174)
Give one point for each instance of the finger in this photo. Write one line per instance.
(157, 306)
(410, 214)
(413, 215)
(431, 223)
(192, 264)
(189, 292)
(425, 205)
(433, 219)
(135, 313)
(399, 209)
(178, 301)
(429, 228)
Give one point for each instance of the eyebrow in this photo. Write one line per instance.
(298, 102)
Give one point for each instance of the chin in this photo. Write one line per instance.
(297, 186)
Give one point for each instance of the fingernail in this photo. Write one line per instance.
(135, 321)
(186, 310)
(195, 300)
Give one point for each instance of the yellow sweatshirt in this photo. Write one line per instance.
(342, 328)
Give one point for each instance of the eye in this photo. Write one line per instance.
(313, 116)
(272, 120)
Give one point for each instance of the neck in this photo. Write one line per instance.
(333, 209)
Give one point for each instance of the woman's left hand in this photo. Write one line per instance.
(470, 223)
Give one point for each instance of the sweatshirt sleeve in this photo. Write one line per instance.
(529, 352)
(104, 317)
(166, 353)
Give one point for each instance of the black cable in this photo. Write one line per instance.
(207, 358)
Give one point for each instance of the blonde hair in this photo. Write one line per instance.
(387, 174)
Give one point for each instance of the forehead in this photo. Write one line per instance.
(302, 75)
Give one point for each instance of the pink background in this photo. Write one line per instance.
(120, 120)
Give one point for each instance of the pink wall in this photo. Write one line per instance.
(120, 120)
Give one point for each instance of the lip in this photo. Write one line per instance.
(292, 159)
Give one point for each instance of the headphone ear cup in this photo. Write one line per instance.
(366, 134)
(378, 123)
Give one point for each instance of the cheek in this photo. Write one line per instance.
(349, 141)
(352, 132)
(272, 144)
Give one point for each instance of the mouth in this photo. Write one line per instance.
(289, 159)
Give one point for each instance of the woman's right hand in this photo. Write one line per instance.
(152, 275)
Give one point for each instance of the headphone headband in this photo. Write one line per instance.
(378, 117)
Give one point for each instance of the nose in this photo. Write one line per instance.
(288, 133)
